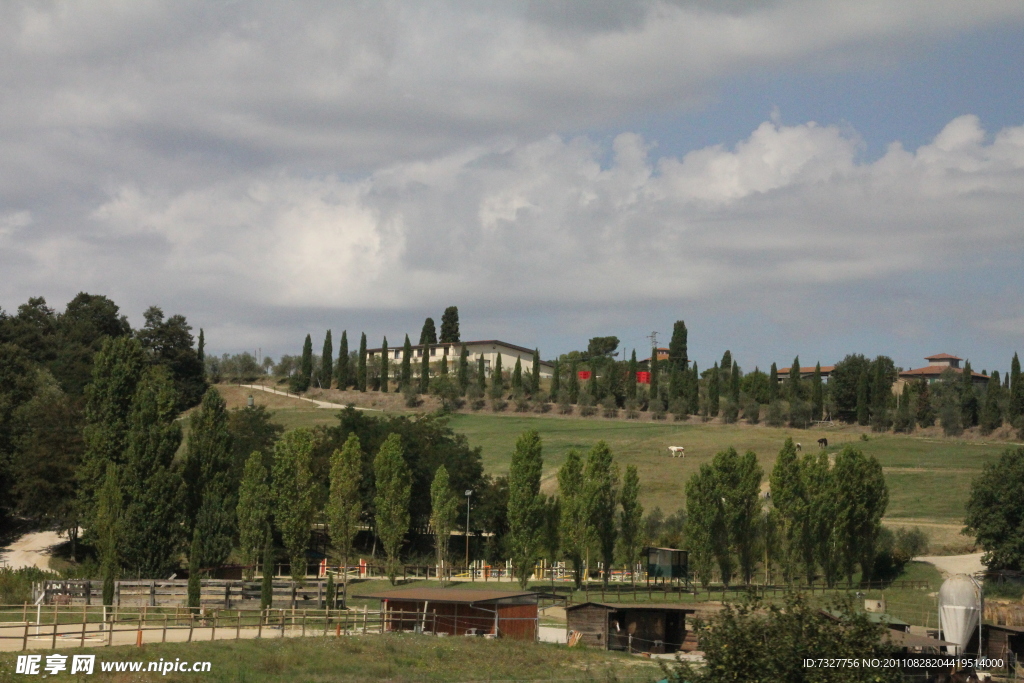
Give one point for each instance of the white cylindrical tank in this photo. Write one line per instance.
(960, 609)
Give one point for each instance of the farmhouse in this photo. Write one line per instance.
(458, 612)
(938, 364)
(637, 627)
(807, 372)
(488, 349)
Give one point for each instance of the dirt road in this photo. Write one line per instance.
(31, 550)
(955, 564)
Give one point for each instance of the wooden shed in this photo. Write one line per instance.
(635, 627)
(458, 611)
(666, 563)
(1003, 642)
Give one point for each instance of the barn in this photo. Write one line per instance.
(458, 612)
(635, 627)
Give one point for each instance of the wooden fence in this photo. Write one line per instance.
(214, 593)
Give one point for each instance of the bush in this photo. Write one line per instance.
(751, 411)
(521, 402)
(564, 406)
(799, 414)
(587, 404)
(949, 416)
(656, 408)
(541, 406)
(678, 408)
(412, 399)
(16, 584)
(730, 412)
(609, 407)
(632, 409)
(911, 543)
(498, 404)
(776, 416)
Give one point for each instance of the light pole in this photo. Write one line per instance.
(469, 492)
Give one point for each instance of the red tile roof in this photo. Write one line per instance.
(935, 371)
(942, 356)
(806, 371)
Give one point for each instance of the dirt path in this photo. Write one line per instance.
(955, 564)
(31, 550)
(319, 404)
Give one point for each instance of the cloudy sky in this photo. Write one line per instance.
(789, 177)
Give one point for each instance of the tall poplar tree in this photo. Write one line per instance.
(107, 525)
(444, 508)
(117, 369)
(292, 492)
(394, 485)
(863, 409)
(326, 362)
(968, 397)
(497, 381)
(444, 362)
(428, 335)
(991, 417)
(734, 383)
(201, 348)
(655, 371)
(385, 374)
(601, 482)
(305, 365)
(881, 390)
(739, 479)
(405, 381)
(151, 532)
(677, 347)
(556, 381)
(535, 374)
(773, 384)
(481, 376)
(694, 388)
(574, 382)
(714, 391)
(342, 371)
(253, 512)
(574, 524)
(425, 370)
(631, 534)
(517, 375)
(705, 524)
(789, 508)
(1016, 405)
(450, 326)
(345, 502)
(817, 399)
(631, 376)
(463, 374)
(525, 505)
(361, 367)
(794, 392)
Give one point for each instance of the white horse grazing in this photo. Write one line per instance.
(677, 451)
(799, 447)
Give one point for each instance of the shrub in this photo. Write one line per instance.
(498, 404)
(776, 416)
(521, 402)
(949, 416)
(657, 409)
(541, 406)
(632, 409)
(799, 414)
(16, 584)
(678, 408)
(564, 406)
(587, 404)
(751, 411)
(609, 407)
(730, 412)
(412, 399)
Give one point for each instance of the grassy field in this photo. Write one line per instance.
(393, 657)
(929, 476)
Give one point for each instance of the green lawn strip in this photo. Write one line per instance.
(392, 657)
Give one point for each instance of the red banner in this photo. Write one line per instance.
(583, 374)
(643, 377)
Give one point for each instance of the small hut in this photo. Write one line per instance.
(634, 627)
(458, 612)
(666, 563)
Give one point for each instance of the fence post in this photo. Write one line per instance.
(238, 626)
(259, 629)
(191, 625)
(24, 638)
(213, 631)
(305, 613)
(53, 641)
(163, 637)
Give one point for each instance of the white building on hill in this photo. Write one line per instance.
(487, 348)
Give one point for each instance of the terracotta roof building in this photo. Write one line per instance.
(938, 364)
(807, 372)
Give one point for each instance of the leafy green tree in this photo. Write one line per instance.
(481, 376)
(817, 398)
(655, 372)
(733, 642)
(794, 389)
(535, 374)
(600, 489)
(361, 367)
(251, 429)
(463, 374)
(705, 530)
(208, 458)
(734, 383)
(385, 374)
(969, 404)
(301, 380)
(556, 381)
(201, 348)
(425, 370)
(405, 376)
(195, 566)
(860, 502)
(497, 379)
(713, 391)
(253, 512)
(428, 335)
(345, 503)
(694, 388)
(1016, 405)
(863, 409)
(904, 419)
(574, 525)
(517, 375)
(995, 509)
(925, 414)
(444, 509)
(991, 417)
(821, 546)
(326, 363)
(151, 488)
(117, 369)
(107, 526)
(169, 343)
(790, 510)
(631, 376)
(677, 347)
(88, 320)
(267, 584)
(292, 493)
(450, 326)
(631, 533)
(525, 504)
(342, 371)
(881, 392)
(393, 482)
(773, 384)
(739, 480)
(444, 362)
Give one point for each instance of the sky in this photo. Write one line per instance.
(791, 177)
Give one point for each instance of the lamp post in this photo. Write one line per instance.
(469, 492)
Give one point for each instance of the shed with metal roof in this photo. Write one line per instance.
(635, 627)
